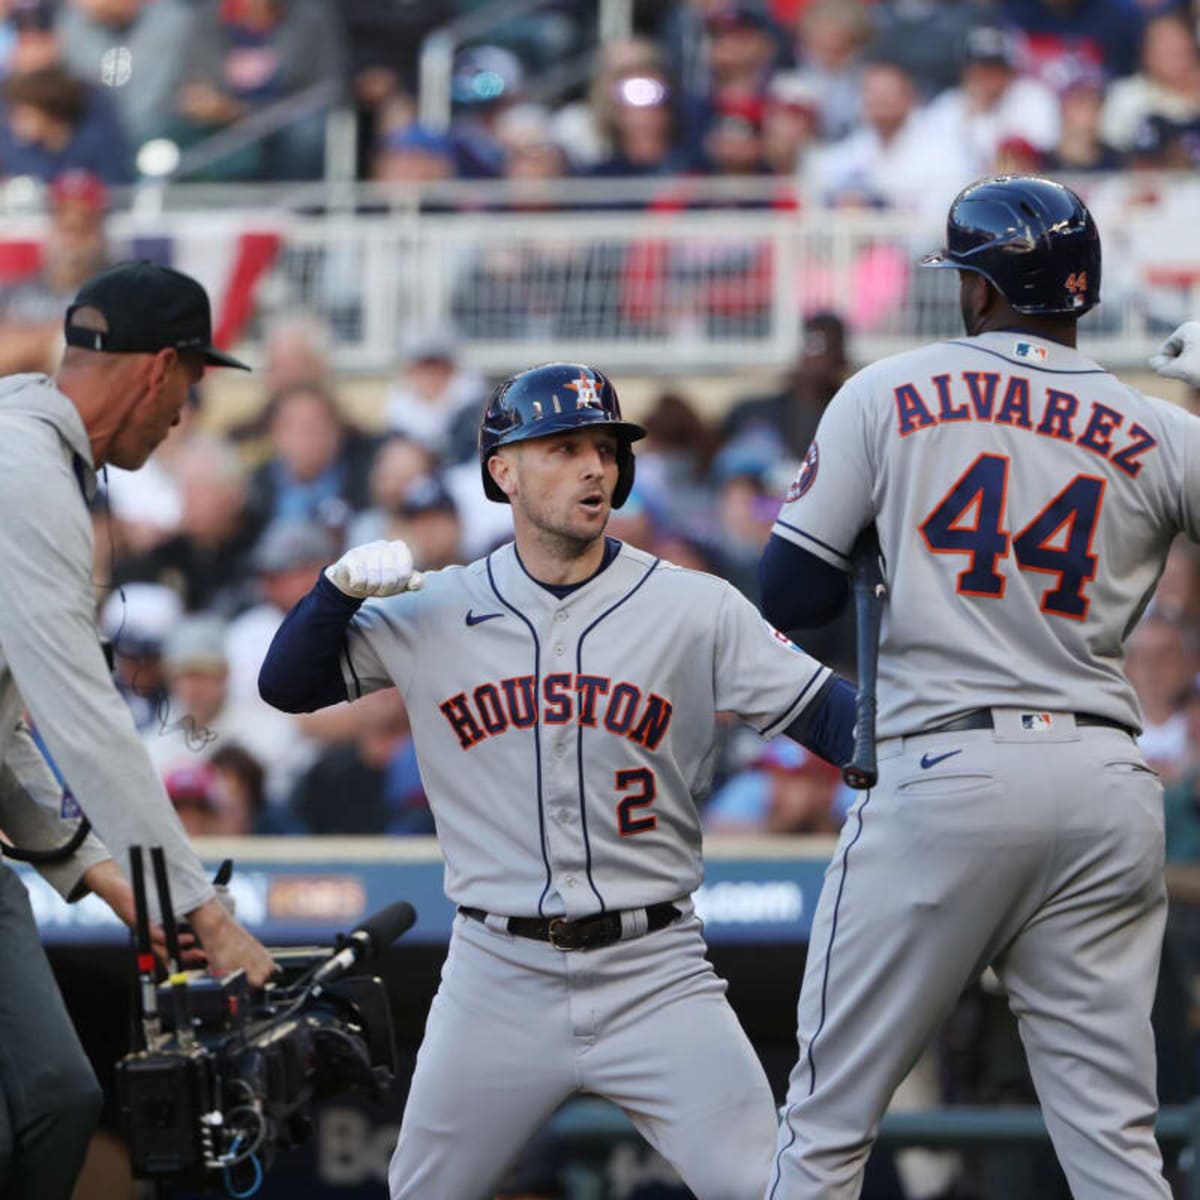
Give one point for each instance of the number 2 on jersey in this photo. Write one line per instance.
(627, 823)
(1058, 541)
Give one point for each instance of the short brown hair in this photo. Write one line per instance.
(52, 90)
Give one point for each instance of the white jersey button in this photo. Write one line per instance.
(558, 649)
(569, 881)
(561, 615)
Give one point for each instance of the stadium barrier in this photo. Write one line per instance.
(657, 277)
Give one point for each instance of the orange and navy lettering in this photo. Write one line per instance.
(586, 700)
(1053, 413)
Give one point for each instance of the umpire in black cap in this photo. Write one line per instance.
(138, 336)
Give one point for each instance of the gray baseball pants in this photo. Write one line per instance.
(1039, 852)
(517, 1026)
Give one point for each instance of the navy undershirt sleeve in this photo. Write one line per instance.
(798, 589)
(302, 670)
(826, 726)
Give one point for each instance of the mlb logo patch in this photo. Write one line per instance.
(1031, 352)
(1041, 722)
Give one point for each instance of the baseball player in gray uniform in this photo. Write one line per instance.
(562, 693)
(1024, 501)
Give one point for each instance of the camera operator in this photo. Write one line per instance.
(138, 336)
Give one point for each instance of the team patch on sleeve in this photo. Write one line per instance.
(806, 476)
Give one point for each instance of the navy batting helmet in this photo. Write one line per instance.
(1033, 239)
(549, 399)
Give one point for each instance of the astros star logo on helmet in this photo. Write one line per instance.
(585, 389)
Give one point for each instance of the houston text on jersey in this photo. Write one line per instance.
(588, 700)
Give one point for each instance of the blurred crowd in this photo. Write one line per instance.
(864, 102)
(202, 553)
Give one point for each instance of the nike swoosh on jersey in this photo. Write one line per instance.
(475, 620)
(932, 760)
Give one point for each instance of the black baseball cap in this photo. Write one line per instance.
(147, 308)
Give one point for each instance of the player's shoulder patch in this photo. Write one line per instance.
(806, 476)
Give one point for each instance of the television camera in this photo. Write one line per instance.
(222, 1075)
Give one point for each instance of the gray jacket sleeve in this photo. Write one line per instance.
(31, 816)
(48, 641)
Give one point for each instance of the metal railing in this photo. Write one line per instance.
(660, 277)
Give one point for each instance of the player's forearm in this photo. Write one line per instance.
(826, 726)
(799, 590)
(302, 670)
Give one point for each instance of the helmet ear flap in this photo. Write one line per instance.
(625, 472)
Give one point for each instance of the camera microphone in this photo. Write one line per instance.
(375, 934)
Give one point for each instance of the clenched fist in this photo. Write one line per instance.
(376, 569)
(1179, 356)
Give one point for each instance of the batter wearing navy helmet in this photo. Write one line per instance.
(1024, 501)
(562, 693)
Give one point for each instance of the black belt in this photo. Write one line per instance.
(584, 933)
(981, 718)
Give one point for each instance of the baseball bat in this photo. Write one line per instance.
(866, 581)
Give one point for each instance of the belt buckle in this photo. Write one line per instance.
(563, 935)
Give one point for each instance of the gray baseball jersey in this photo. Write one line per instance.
(563, 743)
(1025, 499)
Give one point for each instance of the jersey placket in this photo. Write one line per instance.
(566, 838)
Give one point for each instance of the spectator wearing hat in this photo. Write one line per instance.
(791, 123)
(733, 142)
(435, 398)
(202, 716)
(485, 82)
(286, 561)
(786, 789)
(1081, 146)
(1166, 86)
(427, 522)
(135, 50)
(1100, 31)
(794, 410)
(926, 39)
(74, 249)
(137, 620)
(248, 54)
(226, 797)
(992, 102)
(412, 154)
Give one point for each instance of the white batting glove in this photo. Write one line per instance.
(376, 569)
(1179, 356)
